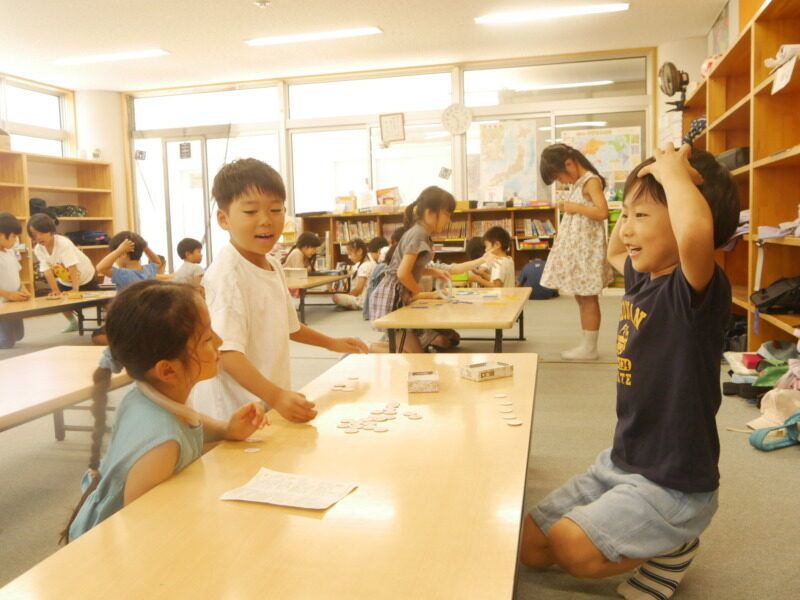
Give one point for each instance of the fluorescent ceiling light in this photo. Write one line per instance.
(548, 14)
(565, 86)
(313, 37)
(577, 124)
(99, 58)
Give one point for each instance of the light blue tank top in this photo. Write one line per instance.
(140, 426)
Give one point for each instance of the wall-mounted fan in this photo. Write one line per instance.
(672, 81)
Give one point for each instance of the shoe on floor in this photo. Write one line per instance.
(579, 353)
(72, 326)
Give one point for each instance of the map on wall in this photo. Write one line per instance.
(508, 160)
(614, 151)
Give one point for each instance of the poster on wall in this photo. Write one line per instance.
(719, 36)
(508, 160)
(614, 151)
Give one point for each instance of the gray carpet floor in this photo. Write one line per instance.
(748, 552)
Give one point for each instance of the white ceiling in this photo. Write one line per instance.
(205, 37)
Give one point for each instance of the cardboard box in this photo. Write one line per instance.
(423, 382)
(487, 370)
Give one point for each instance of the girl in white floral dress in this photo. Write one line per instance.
(577, 263)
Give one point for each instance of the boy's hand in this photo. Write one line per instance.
(245, 421)
(675, 162)
(294, 407)
(349, 345)
(125, 247)
(17, 296)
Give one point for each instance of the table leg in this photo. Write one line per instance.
(79, 312)
(58, 424)
(498, 340)
(522, 326)
(392, 342)
(402, 341)
(303, 307)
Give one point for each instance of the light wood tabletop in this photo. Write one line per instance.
(485, 308)
(42, 382)
(313, 281)
(436, 514)
(44, 306)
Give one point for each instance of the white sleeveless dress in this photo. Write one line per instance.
(577, 262)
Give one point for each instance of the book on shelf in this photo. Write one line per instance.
(457, 230)
(481, 227)
(533, 243)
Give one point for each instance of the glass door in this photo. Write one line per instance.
(187, 208)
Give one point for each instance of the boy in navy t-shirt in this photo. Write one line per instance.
(644, 503)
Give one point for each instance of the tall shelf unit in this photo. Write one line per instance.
(741, 109)
(470, 222)
(85, 183)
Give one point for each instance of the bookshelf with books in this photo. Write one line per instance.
(450, 246)
(745, 110)
(85, 184)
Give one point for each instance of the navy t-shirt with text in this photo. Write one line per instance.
(669, 348)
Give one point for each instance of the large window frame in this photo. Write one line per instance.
(287, 126)
(65, 135)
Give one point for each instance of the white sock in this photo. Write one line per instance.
(590, 340)
(659, 577)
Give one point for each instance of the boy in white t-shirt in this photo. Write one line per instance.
(191, 251)
(249, 302)
(497, 241)
(11, 288)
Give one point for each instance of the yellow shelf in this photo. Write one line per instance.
(736, 56)
(60, 160)
(95, 247)
(11, 185)
(787, 323)
(68, 190)
(785, 158)
(697, 98)
(740, 297)
(85, 218)
(743, 171)
(736, 117)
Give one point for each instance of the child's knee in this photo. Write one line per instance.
(534, 551)
(574, 551)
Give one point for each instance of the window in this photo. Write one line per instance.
(30, 107)
(256, 105)
(370, 96)
(593, 79)
(35, 145)
(327, 164)
(414, 164)
(149, 183)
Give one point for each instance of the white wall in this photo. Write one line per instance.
(98, 117)
(687, 54)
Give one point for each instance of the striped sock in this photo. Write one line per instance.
(659, 577)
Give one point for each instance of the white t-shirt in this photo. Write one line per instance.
(65, 254)
(295, 260)
(9, 271)
(364, 270)
(503, 269)
(187, 272)
(252, 311)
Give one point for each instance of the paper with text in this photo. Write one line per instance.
(287, 489)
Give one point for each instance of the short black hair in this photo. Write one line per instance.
(308, 239)
(187, 246)
(475, 248)
(376, 243)
(42, 222)
(9, 224)
(499, 235)
(138, 243)
(239, 176)
(718, 188)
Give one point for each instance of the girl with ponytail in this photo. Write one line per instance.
(363, 264)
(429, 214)
(161, 334)
(577, 263)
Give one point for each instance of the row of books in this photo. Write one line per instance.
(481, 227)
(535, 227)
(350, 230)
(456, 230)
(533, 243)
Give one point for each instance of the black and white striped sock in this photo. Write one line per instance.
(659, 577)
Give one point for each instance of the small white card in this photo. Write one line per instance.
(287, 489)
(784, 75)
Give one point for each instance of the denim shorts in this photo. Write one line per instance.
(626, 515)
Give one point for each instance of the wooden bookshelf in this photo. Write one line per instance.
(470, 221)
(58, 181)
(741, 109)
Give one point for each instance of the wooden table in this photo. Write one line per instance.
(472, 310)
(313, 281)
(47, 381)
(436, 515)
(43, 306)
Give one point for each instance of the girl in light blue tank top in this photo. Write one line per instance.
(161, 333)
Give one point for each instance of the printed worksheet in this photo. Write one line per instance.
(287, 489)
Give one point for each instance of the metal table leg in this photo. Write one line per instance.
(392, 342)
(498, 340)
(303, 306)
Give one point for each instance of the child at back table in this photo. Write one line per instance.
(363, 264)
(645, 502)
(497, 241)
(161, 334)
(123, 264)
(11, 287)
(190, 271)
(577, 263)
(249, 302)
